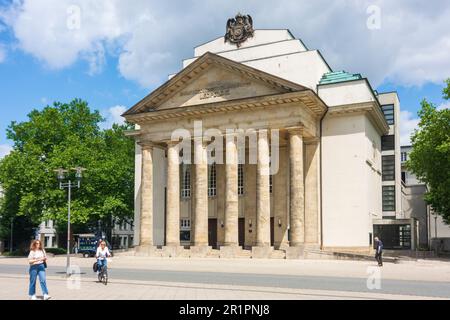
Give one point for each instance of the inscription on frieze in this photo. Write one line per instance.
(215, 91)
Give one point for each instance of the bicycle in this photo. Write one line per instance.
(103, 275)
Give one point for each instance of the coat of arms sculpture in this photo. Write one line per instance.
(239, 29)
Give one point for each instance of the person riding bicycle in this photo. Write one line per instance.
(101, 255)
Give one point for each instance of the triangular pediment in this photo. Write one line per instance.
(211, 79)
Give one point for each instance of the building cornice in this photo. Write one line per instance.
(370, 108)
(306, 97)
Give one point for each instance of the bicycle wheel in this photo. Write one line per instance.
(105, 276)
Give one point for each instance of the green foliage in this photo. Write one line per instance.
(16, 253)
(56, 250)
(67, 135)
(430, 156)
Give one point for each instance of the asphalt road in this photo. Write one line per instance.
(348, 284)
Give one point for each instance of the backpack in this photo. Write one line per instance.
(95, 267)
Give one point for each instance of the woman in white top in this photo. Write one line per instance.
(101, 255)
(37, 259)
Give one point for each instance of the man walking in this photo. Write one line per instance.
(379, 251)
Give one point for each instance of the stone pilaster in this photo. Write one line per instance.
(173, 195)
(200, 193)
(312, 193)
(297, 190)
(263, 191)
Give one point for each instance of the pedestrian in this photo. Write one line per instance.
(379, 251)
(38, 262)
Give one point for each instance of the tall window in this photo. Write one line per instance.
(388, 197)
(271, 183)
(388, 168)
(404, 156)
(185, 229)
(388, 111)
(212, 181)
(186, 181)
(388, 142)
(240, 179)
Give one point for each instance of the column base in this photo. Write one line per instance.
(297, 252)
(173, 251)
(281, 246)
(261, 252)
(312, 246)
(228, 252)
(146, 251)
(199, 251)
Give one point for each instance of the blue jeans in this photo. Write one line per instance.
(101, 263)
(35, 271)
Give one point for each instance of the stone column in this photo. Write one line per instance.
(297, 190)
(231, 192)
(263, 191)
(173, 196)
(146, 225)
(312, 193)
(280, 198)
(200, 193)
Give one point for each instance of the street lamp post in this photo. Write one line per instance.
(11, 240)
(69, 185)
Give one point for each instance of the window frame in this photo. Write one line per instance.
(241, 180)
(390, 207)
(185, 190)
(387, 160)
(212, 180)
(390, 115)
(388, 139)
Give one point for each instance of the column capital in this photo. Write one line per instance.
(146, 145)
(201, 140)
(171, 143)
(311, 140)
(295, 130)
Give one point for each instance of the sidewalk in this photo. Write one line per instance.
(422, 270)
(15, 287)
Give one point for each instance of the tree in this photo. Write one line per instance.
(67, 135)
(430, 156)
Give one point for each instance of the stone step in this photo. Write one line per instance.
(278, 254)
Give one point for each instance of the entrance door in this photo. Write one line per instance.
(241, 232)
(272, 230)
(212, 233)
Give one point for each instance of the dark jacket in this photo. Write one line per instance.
(379, 246)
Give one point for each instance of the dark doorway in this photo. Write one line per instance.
(241, 232)
(272, 231)
(212, 233)
(396, 236)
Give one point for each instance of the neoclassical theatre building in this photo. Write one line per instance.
(326, 126)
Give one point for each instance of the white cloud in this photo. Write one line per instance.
(150, 38)
(2, 53)
(407, 125)
(5, 149)
(444, 105)
(113, 115)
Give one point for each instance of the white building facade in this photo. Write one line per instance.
(431, 231)
(324, 129)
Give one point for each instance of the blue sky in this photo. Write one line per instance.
(112, 53)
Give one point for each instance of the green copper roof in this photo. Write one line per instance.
(338, 76)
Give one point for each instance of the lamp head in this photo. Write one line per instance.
(60, 174)
(78, 172)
